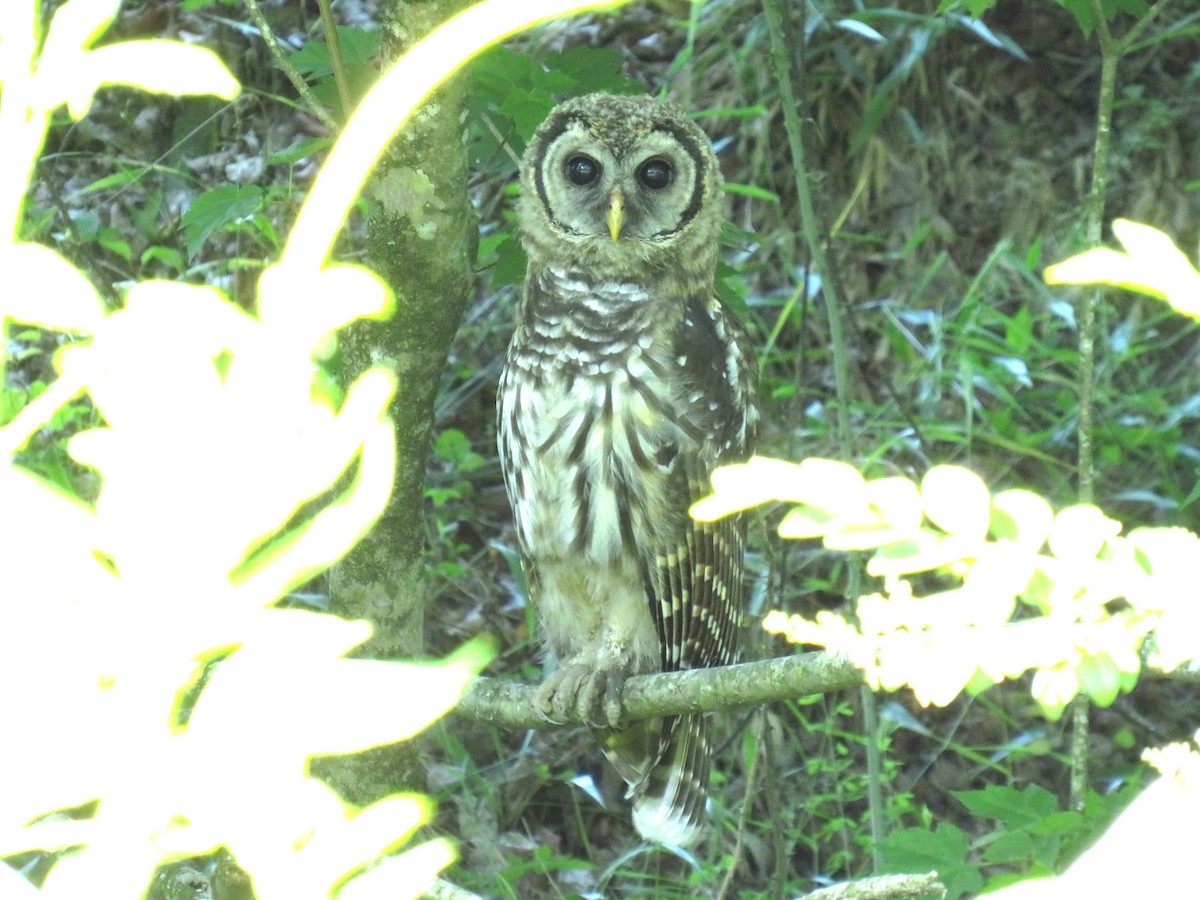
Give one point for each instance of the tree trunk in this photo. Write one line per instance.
(422, 237)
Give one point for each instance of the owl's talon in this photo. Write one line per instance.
(584, 692)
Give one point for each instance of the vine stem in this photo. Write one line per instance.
(1111, 51)
(315, 106)
(336, 60)
(783, 37)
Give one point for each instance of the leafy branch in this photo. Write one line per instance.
(1037, 588)
(315, 106)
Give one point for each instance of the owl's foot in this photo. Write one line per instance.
(586, 692)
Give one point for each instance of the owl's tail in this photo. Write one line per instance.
(669, 804)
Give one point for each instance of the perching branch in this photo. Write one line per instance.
(509, 703)
(882, 887)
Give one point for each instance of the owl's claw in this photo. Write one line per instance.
(584, 692)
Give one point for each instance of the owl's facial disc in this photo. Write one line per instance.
(643, 188)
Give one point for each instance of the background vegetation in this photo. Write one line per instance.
(949, 160)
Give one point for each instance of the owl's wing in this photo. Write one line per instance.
(696, 584)
(694, 579)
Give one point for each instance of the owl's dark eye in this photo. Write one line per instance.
(582, 170)
(655, 173)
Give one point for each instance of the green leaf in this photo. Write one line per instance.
(214, 209)
(944, 851)
(525, 111)
(298, 150)
(145, 218)
(593, 69)
(919, 850)
(117, 179)
(312, 59)
(452, 446)
(86, 225)
(1084, 13)
(1099, 678)
(1014, 807)
(925, 551)
(510, 263)
(1063, 823)
(266, 228)
(974, 8)
(12, 401)
(168, 256)
(1012, 846)
(359, 46)
(110, 239)
(749, 190)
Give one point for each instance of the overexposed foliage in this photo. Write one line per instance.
(1064, 594)
(230, 474)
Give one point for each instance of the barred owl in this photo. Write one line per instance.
(626, 382)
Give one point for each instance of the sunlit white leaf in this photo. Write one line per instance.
(922, 552)
(957, 501)
(823, 483)
(1152, 264)
(401, 877)
(42, 288)
(308, 303)
(1079, 533)
(1021, 517)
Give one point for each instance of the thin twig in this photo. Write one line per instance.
(784, 37)
(334, 44)
(1111, 51)
(500, 139)
(739, 846)
(315, 106)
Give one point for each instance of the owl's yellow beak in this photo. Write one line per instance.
(616, 214)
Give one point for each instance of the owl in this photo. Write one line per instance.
(626, 383)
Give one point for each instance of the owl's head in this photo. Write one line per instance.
(619, 186)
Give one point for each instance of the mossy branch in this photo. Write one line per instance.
(508, 703)
(499, 701)
(882, 887)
